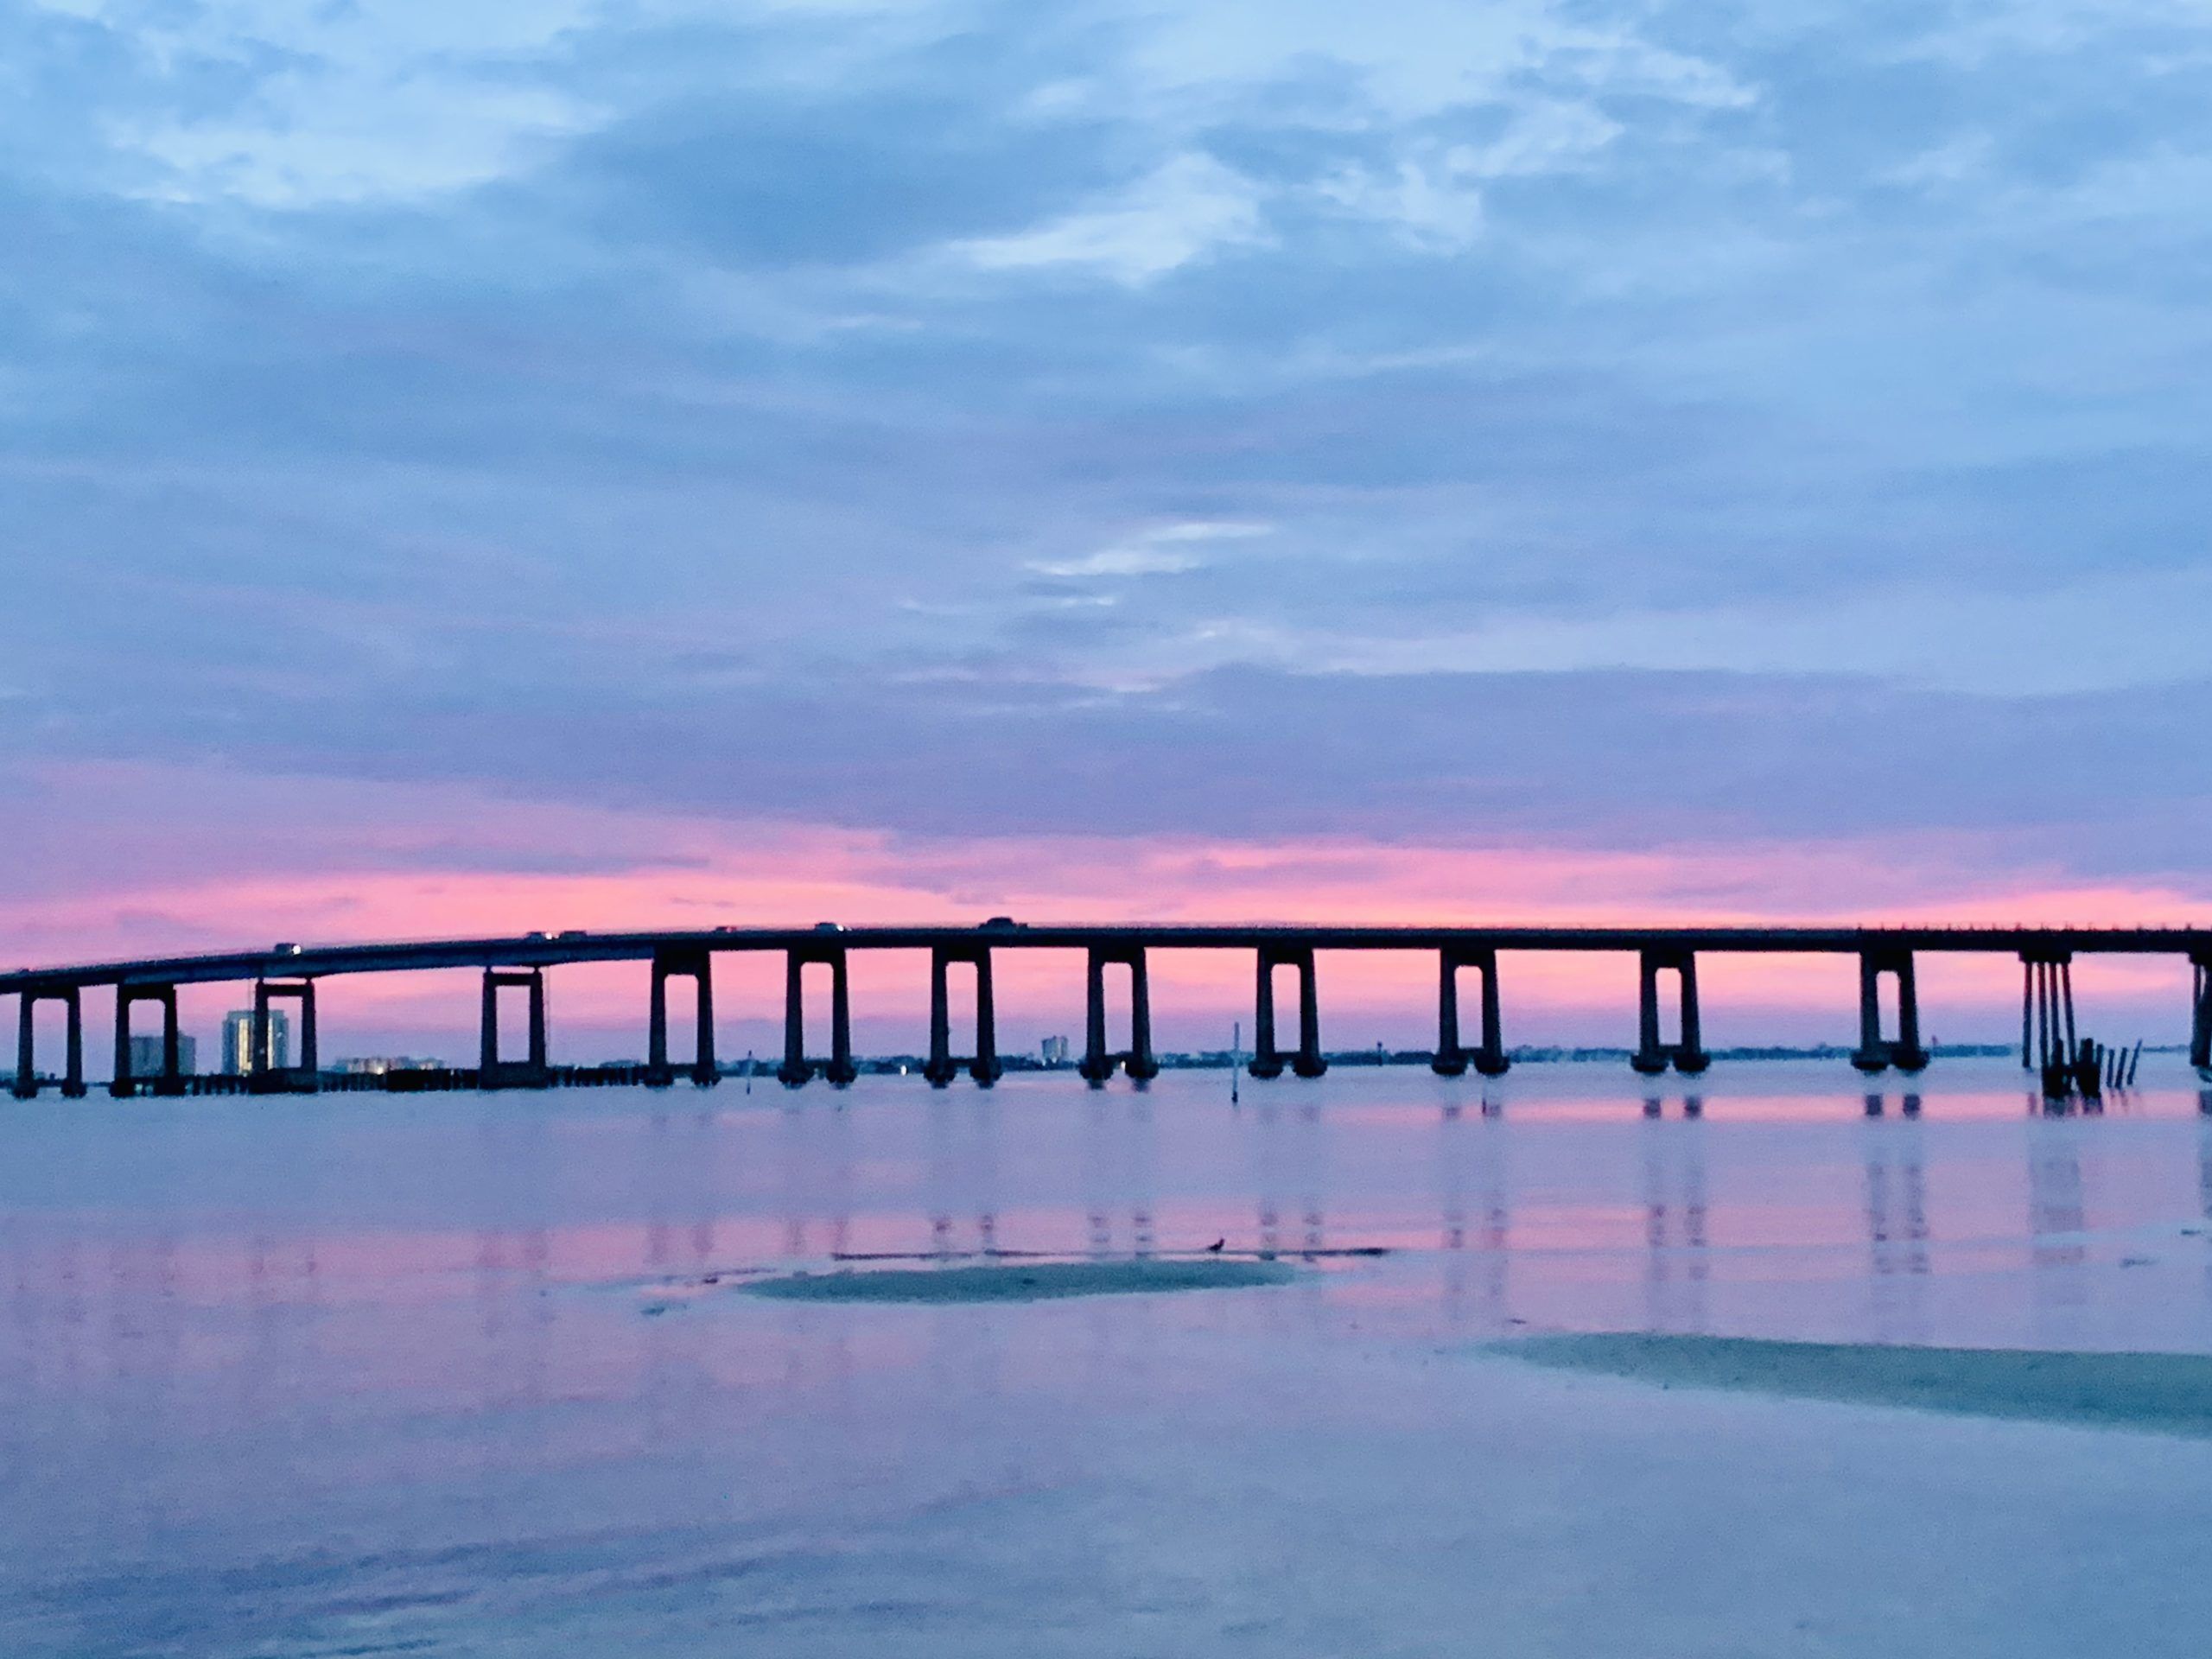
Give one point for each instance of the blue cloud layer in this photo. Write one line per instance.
(1500, 415)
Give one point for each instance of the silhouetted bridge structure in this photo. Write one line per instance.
(289, 974)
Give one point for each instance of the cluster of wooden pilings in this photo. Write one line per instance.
(2069, 1064)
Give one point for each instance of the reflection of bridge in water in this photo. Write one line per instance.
(290, 974)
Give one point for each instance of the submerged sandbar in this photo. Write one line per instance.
(1023, 1281)
(2169, 1394)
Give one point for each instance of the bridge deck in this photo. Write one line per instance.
(551, 949)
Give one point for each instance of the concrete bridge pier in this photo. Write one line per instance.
(1876, 1052)
(72, 1075)
(942, 1067)
(169, 1080)
(1099, 1061)
(302, 1075)
(697, 966)
(1451, 1060)
(796, 1068)
(532, 1073)
(1687, 1054)
(2199, 1025)
(2047, 1009)
(1267, 1057)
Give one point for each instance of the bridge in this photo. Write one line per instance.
(1668, 958)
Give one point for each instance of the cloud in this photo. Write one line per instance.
(1188, 209)
(1158, 552)
(1416, 59)
(316, 144)
(1661, 423)
(1433, 205)
(281, 104)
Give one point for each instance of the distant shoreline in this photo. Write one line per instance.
(617, 1071)
(1222, 1059)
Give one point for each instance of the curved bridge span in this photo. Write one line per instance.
(290, 973)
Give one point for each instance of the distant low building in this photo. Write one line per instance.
(1055, 1051)
(377, 1065)
(237, 1042)
(146, 1056)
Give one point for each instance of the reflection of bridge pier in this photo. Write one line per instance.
(1896, 1212)
(1897, 1223)
(1674, 1224)
(2056, 1212)
(1463, 1138)
(1292, 1147)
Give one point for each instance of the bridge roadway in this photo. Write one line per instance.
(289, 972)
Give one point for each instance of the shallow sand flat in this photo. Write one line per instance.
(1026, 1281)
(2169, 1394)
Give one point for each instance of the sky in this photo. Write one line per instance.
(494, 466)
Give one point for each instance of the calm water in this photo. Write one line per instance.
(470, 1374)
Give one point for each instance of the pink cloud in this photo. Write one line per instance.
(340, 862)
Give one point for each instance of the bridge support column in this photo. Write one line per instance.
(697, 966)
(796, 1068)
(1876, 1052)
(169, 1080)
(1267, 1056)
(492, 1071)
(1451, 1059)
(302, 1074)
(2199, 1025)
(943, 1066)
(1687, 1054)
(2047, 1039)
(1099, 1061)
(72, 1075)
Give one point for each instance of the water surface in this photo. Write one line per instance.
(478, 1375)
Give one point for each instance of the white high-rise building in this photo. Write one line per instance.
(237, 1041)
